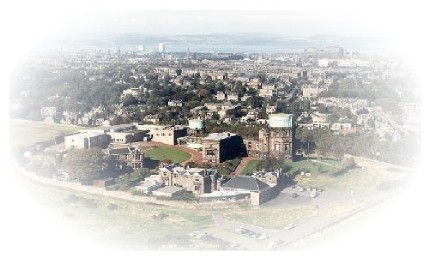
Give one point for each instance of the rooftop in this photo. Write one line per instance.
(169, 189)
(219, 136)
(189, 171)
(247, 183)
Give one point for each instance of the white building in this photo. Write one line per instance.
(323, 62)
(162, 47)
(87, 140)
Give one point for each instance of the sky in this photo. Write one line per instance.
(297, 18)
(289, 22)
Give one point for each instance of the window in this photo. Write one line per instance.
(169, 134)
(196, 188)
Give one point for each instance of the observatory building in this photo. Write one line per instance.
(274, 140)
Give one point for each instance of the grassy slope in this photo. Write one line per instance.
(250, 167)
(129, 226)
(24, 132)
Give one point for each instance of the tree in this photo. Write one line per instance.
(129, 100)
(306, 137)
(127, 181)
(270, 164)
(86, 164)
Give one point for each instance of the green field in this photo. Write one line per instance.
(367, 176)
(24, 132)
(314, 166)
(250, 167)
(118, 223)
(160, 153)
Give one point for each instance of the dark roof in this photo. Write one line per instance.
(247, 183)
(119, 151)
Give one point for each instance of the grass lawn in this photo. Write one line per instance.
(24, 132)
(367, 176)
(314, 166)
(160, 153)
(250, 167)
(118, 223)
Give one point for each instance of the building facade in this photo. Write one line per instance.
(275, 140)
(127, 137)
(130, 156)
(87, 140)
(195, 180)
(219, 147)
(168, 134)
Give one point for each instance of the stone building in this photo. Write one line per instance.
(130, 156)
(219, 147)
(274, 140)
(168, 134)
(195, 180)
(260, 186)
(259, 191)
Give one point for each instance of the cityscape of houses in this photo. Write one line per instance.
(221, 105)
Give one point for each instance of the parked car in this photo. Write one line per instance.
(263, 236)
(290, 226)
(313, 194)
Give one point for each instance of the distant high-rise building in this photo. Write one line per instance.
(304, 74)
(188, 54)
(162, 47)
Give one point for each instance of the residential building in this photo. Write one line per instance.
(195, 180)
(150, 184)
(129, 156)
(220, 96)
(174, 103)
(136, 92)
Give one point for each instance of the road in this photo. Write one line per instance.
(290, 237)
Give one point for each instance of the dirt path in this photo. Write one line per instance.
(243, 164)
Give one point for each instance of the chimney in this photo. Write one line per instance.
(219, 183)
(213, 183)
